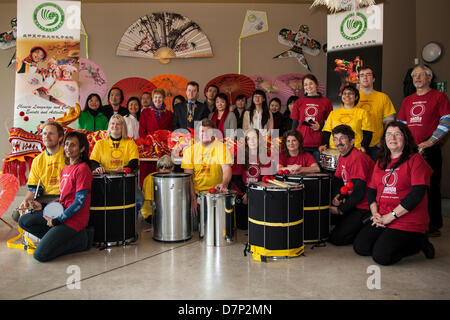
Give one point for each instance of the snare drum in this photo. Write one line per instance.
(217, 217)
(329, 159)
(316, 205)
(113, 208)
(275, 216)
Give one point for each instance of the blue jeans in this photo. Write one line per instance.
(55, 241)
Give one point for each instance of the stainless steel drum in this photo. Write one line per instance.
(217, 217)
(329, 159)
(172, 207)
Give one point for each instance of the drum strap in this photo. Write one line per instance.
(275, 224)
(29, 247)
(113, 207)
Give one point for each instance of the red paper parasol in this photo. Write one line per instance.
(272, 87)
(233, 84)
(173, 85)
(9, 186)
(133, 87)
(295, 82)
(92, 79)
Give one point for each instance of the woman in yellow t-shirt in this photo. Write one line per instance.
(358, 119)
(117, 152)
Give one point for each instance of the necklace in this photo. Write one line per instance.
(191, 108)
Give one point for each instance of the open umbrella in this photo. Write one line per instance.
(173, 85)
(295, 82)
(92, 79)
(133, 87)
(233, 84)
(272, 87)
(9, 186)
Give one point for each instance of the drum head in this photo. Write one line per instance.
(53, 210)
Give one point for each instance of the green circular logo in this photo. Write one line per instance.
(48, 17)
(354, 26)
(251, 18)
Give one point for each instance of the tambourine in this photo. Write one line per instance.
(53, 210)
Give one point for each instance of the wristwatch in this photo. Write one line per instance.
(394, 214)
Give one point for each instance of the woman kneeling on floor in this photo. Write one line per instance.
(67, 232)
(397, 197)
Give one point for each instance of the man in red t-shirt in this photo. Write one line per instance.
(354, 167)
(427, 115)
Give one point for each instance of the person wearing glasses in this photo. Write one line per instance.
(427, 115)
(378, 105)
(397, 197)
(357, 118)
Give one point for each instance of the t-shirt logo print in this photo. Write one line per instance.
(416, 112)
(390, 185)
(311, 112)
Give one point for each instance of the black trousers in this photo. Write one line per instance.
(55, 241)
(347, 227)
(386, 246)
(433, 157)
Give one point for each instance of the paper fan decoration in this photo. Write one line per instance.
(133, 87)
(92, 79)
(164, 36)
(173, 85)
(272, 87)
(295, 82)
(233, 85)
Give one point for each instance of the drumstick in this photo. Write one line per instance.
(37, 189)
(279, 183)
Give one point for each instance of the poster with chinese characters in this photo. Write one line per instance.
(48, 52)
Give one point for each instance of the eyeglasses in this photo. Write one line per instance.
(336, 139)
(396, 134)
(362, 75)
(420, 74)
(348, 93)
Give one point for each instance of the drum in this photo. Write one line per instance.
(53, 210)
(275, 216)
(329, 159)
(172, 207)
(316, 205)
(217, 217)
(113, 209)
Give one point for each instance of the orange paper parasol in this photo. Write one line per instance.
(9, 186)
(173, 85)
(233, 84)
(133, 87)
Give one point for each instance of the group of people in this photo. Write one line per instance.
(393, 165)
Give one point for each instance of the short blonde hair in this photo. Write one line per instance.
(159, 91)
(165, 162)
(122, 121)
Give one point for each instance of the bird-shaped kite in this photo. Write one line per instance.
(300, 43)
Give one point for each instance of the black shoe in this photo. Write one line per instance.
(148, 219)
(434, 232)
(90, 232)
(427, 248)
(15, 215)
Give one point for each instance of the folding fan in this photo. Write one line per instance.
(133, 87)
(164, 36)
(295, 82)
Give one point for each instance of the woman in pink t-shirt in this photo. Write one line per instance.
(293, 156)
(397, 197)
(65, 233)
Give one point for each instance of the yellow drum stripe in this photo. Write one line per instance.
(113, 208)
(260, 251)
(275, 224)
(315, 208)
